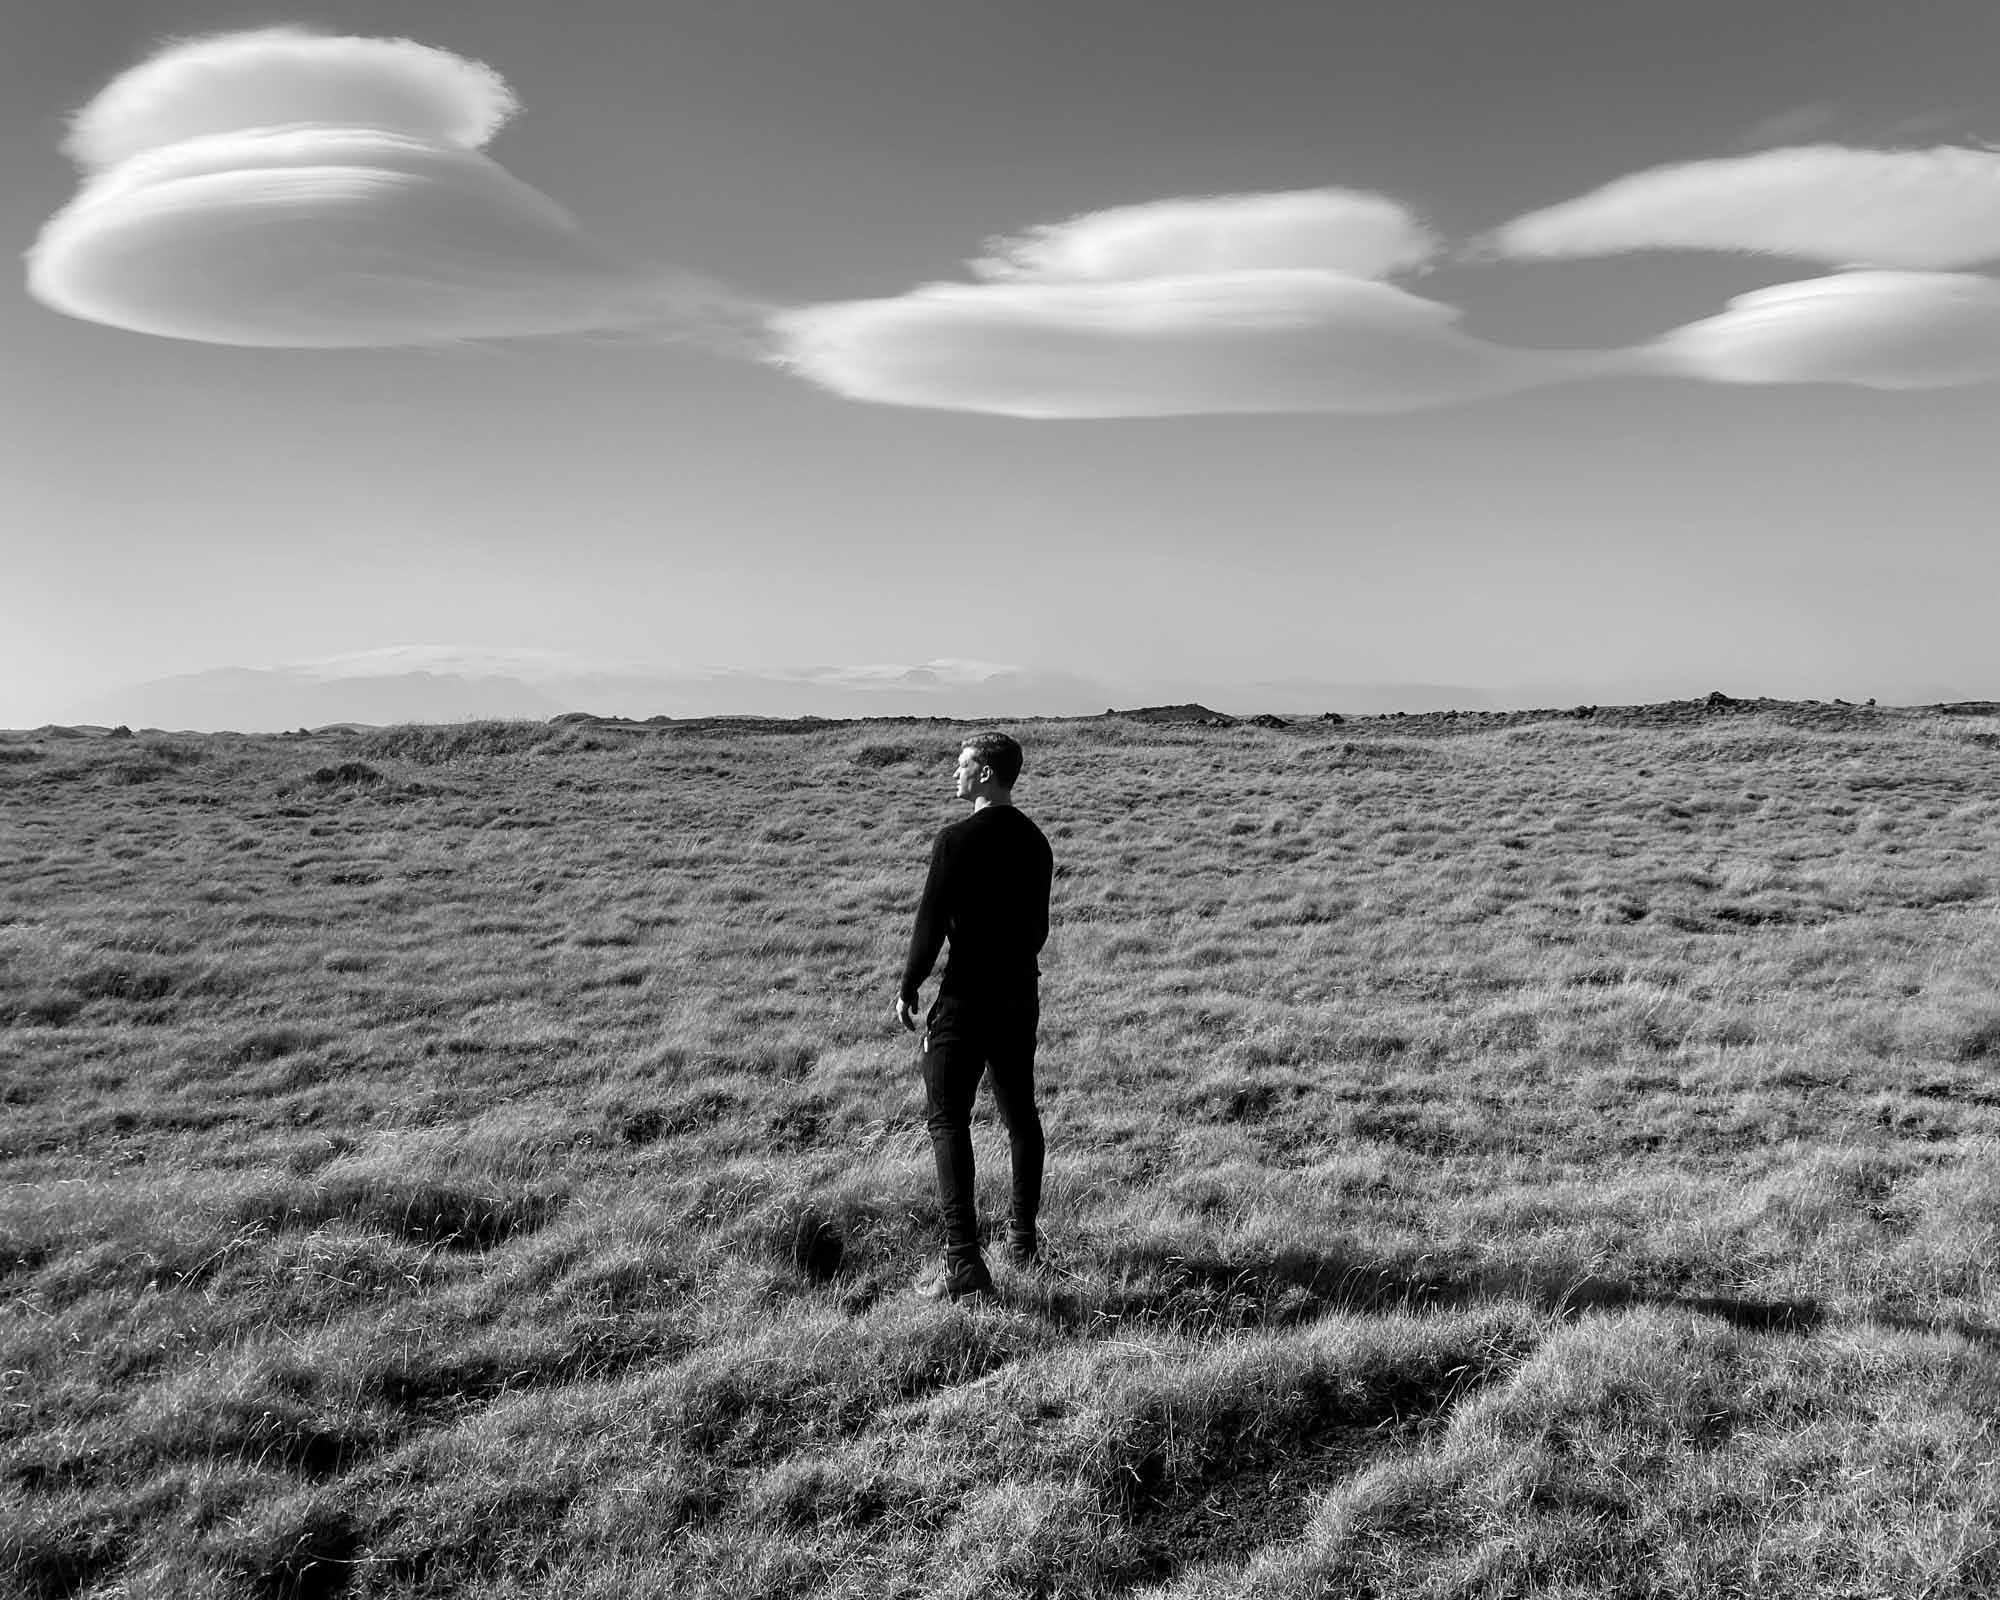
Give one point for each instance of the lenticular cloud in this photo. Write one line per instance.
(287, 188)
(1193, 306)
(1266, 341)
(1879, 330)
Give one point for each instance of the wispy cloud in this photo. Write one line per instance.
(1845, 207)
(280, 187)
(542, 668)
(1794, 125)
(526, 662)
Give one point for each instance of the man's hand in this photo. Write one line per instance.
(906, 1014)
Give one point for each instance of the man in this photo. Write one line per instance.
(988, 892)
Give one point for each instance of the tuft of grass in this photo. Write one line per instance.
(346, 772)
(882, 755)
(426, 744)
(430, 1212)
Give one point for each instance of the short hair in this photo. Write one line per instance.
(999, 752)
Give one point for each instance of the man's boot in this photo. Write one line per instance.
(955, 1278)
(1023, 1248)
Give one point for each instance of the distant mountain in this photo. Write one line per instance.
(450, 683)
(437, 684)
(248, 700)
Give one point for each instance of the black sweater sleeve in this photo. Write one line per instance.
(933, 922)
(1045, 871)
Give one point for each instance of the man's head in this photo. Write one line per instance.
(988, 766)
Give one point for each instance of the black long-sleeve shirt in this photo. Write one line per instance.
(988, 890)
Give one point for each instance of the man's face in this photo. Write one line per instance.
(970, 767)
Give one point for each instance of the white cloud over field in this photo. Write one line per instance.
(285, 188)
(280, 77)
(1829, 203)
(1294, 340)
(1880, 330)
(1332, 230)
(1229, 303)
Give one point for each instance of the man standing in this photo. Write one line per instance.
(988, 892)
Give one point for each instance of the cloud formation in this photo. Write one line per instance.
(1881, 330)
(1245, 341)
(1228, 303)
(1845, 207)
(1335, 230)
(286, 188)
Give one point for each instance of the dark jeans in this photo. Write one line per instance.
(965, 1036)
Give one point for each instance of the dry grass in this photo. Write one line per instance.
(1553, 1158)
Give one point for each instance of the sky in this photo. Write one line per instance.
(1249, 355)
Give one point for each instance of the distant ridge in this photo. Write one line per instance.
(1189, 711)
(382, 691)
(437, 684)
(1194, 714)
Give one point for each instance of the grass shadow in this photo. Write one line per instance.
(450, 1215)
(1296, 1286)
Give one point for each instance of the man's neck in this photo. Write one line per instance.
(981, 802)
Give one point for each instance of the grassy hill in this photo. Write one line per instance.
(1510, 1156)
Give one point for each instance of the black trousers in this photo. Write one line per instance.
(965, 1037)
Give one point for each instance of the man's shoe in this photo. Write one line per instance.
(942, 1282)
(1023, 1248)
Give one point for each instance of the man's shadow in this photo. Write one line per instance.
(1297, 1286)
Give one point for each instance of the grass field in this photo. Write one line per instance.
(1510, 1157)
